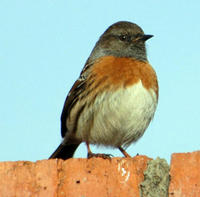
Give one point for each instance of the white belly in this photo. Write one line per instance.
(119, 118)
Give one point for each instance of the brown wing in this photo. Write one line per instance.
(73, 97)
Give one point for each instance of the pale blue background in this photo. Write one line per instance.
(44, 45)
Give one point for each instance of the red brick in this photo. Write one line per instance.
(24, 178)
(185, 175)
(99, 177)
(73, 177)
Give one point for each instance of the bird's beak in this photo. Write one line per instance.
(146, 37)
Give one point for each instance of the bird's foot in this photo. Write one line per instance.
(104, 156)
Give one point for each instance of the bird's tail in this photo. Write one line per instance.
(64, 151)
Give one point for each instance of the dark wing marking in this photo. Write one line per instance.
(70, 101)
(73, 97)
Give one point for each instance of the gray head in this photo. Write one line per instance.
(122, 39)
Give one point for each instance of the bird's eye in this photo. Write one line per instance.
(124, 37)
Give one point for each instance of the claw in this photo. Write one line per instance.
(104, 156)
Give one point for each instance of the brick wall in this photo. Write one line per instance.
(136, 177)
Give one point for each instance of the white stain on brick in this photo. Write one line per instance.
(124, 173)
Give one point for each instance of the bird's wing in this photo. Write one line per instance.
(74, 96)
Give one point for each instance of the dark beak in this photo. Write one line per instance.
(146, 37)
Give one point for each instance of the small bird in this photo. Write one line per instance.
(115, 96)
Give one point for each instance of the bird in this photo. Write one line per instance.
(115, 97)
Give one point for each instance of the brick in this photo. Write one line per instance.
(185, 175)
(99, 177)
(25, 178)
(73, 177)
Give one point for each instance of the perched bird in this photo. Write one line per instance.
(115, 97)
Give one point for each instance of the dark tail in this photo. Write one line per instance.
(64, 151)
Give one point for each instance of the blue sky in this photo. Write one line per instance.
(44, 45)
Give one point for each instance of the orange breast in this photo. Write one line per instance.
(122, 72)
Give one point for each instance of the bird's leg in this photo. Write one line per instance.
(91, 154)
(124, 152)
